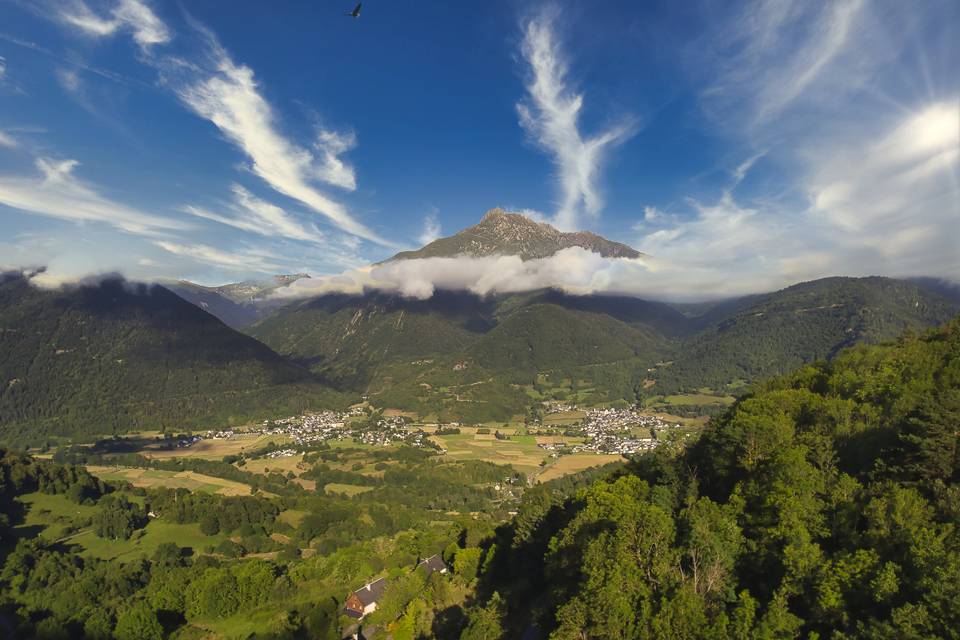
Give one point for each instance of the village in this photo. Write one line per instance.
(623, 431)
(309, 429)
(611, 431)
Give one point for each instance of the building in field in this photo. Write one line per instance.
(364, 600)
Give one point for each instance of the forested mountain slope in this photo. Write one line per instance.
(399, 350)
(119, 356)
(824, 505)
(777, 332)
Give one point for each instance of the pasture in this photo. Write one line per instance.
(563, 418)
(216, 449)
(191, 480)
(565, 465)
(275, 465)
(54, 518)
(521, 452)
(348, 490)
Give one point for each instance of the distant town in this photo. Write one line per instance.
(622, 431)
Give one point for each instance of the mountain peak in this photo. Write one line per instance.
(493, 214)
(501, 232)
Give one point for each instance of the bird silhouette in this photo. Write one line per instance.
(356, 11)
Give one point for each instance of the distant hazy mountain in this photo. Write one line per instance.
(503, 233)
(118, 356)
(237, 304)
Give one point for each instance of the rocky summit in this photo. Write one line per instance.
(504, 233)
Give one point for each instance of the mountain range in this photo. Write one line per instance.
(236, 304)
(115, 355)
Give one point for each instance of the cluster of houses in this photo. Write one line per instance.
(364, 600)
(610, 431)
(282, 453)
(331, 425)
(326, 425)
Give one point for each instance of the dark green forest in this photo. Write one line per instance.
(117, 356)
(824, 505)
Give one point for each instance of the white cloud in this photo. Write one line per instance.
(128, 15)
(329, 167)
(7, 141)
(827, 40)
(58, 193)
(550, 117)
(227, 94)
(573, 270)
(253, 214)
(533, 214)
(229, 97)
(3, 67)
(881, 202)
(69, 79)
(431, 229)
(247, 261)
(896, 193)
(776, 53)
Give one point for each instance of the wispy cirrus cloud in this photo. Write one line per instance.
(237, 260)
(774, 53)
(58, 193)
(215, 87)
(856, 106)
(250, 213)
(884, 201)
(227, 94)
(550, 116)
(6, 140)
(133, 16)
(330, 167)
(431, 229)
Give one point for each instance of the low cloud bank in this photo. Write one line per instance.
(44, 278)
(573, 270)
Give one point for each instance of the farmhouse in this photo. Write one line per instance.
(364, 600)
(433, 563)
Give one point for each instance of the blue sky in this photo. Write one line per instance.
(741, 146)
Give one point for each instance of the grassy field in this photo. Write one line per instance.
(563, 418)
(50, 516)
(275, 465)
(211, 449)
(698, 398)
(522, 453)
(566, 465)
(346, 489)
(183, 479)
(146, 541)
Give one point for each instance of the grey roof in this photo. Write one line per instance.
(370, 593)
(433, 563)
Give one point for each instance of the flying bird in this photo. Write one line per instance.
(356, 11)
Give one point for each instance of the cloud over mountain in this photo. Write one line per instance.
(550, 115)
